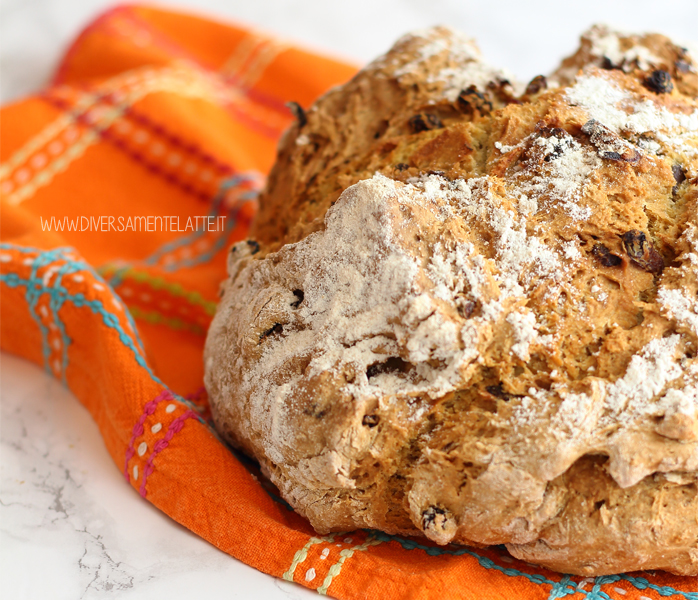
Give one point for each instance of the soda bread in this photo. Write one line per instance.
(470, 308)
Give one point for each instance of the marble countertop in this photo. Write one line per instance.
(69, 525)
(528, 38)
(71, 528)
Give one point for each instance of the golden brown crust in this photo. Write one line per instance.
(349, 132)
(473, 315)
(637, 54)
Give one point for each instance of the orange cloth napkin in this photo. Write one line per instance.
(123, 183)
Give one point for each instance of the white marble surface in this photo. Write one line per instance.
(526, 36)
(69, 526)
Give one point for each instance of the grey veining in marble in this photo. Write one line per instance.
(70, 526)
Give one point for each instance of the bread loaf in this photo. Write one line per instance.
(470, 309)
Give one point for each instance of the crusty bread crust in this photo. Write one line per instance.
(471, 311)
